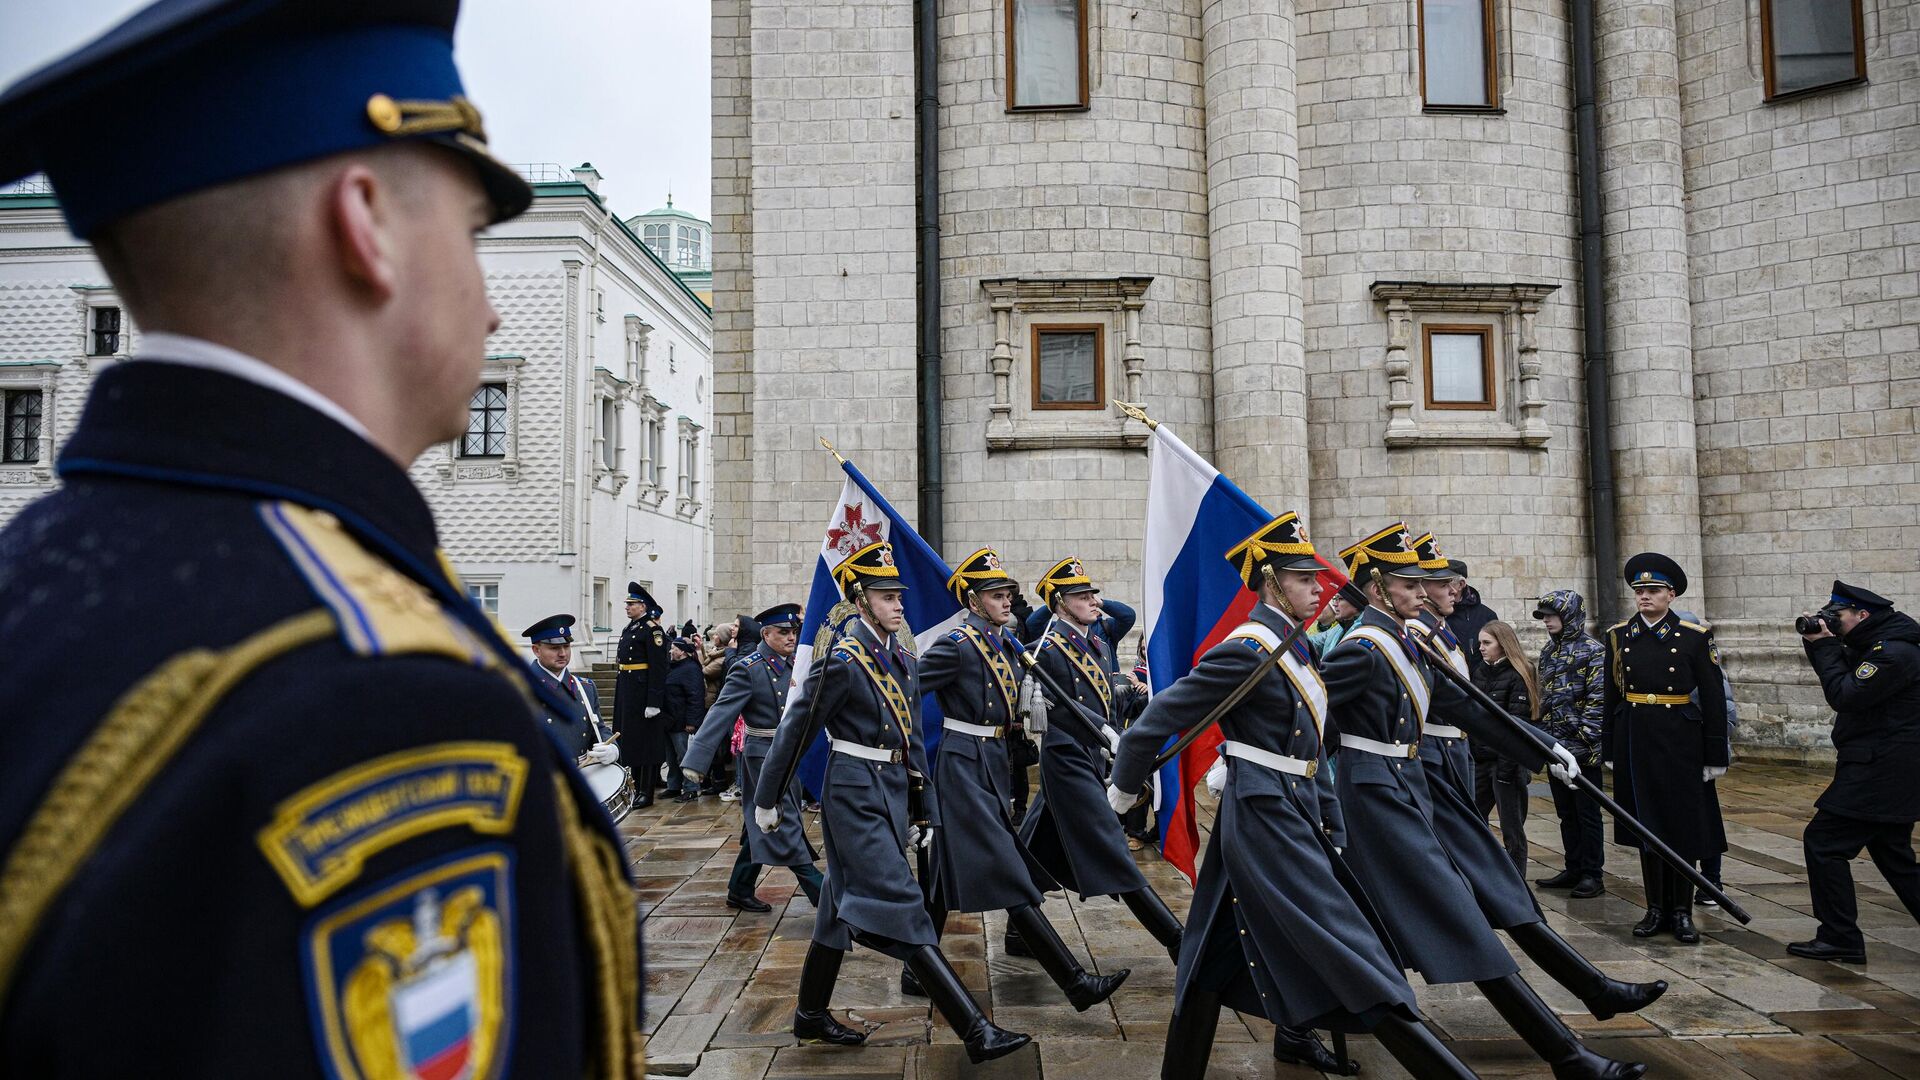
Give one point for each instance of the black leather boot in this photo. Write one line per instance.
(983, 1039)
(1680, 908)
(1190, 1037)
(909, 985)
(1300, 1046)
(1605, 998)
(1152, 912)
(1083, 990)
(1565, 879)
(1415, 1048)
(811, 1021)
(1653, 873)
(1549, 1036)
(1015, 944)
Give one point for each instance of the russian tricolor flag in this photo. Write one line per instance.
(861, 517)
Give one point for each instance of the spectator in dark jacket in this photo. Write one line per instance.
(683, 709)
(1573, 678)
(1507, 676)
(1116, 619)
(1469, 615)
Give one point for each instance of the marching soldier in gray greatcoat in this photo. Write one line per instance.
(978, 863)
(1447, 764)
(1069, 829)
(756, 688)
(1279, 927)
(875, 804)
(1381, 692)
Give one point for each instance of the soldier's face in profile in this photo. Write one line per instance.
(1441, 595)
(1083, 607)
(1299, 591)
(887, 608)
(442, 292)
(635, 609)
(995, 605)
(780, 639)
(1404, 596)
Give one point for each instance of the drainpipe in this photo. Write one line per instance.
(926, 83)
(1602, 519)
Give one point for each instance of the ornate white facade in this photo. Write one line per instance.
(598, 468)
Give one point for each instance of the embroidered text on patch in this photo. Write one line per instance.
(320, 838)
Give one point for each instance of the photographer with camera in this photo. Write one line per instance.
(1868, 658)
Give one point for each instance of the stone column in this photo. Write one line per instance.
(1253, 206)
(1649, 321)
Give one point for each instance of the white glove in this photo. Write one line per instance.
(1217, 778)
(1120, 800)
(767, 817)
(1559, 772)
(1607, 764)
(1712, 772)
(918, 837)
(1565, 757)
(692, 776)
(652, 712)
(1113, 739)
(603, 754)
(1339, 851)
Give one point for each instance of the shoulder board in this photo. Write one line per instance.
(1257, 636)
(1365, 643)
(1046, 643)
(1694, 626)
(1419, 626)
(1621, 625)
(957, 634)
(842, 653)
(752, 659)
(379, 611)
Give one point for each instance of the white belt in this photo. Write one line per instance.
(1369, 746)
(1443, 731)
(861, 750)
(763, 732)
(1277, 762)
(982, 730)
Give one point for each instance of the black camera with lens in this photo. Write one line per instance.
(1812, 624)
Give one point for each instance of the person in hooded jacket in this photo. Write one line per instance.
(1573, 677)
(1870, 672)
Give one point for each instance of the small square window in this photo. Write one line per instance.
(22, 412)
(660, 239)
(1810, 45)
(103, 337)
(1069, 367)
(486, 594)
(1046, 54)
(486, 423)
(1456, 55)
(1459, 363)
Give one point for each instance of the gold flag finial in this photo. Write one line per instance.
(1137, 413)
(831, 450)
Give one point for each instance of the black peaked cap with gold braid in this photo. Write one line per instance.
(978, 572)
(1281, 543)
(869, 568)
(1388, 552)
(1432, 559)
(1064, 578)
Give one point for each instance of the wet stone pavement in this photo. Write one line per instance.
(721, 984)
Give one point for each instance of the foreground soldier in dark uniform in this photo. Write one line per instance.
(1279, 927)
(874, 804)
(1662, 743)
(640, 689)
(978, 863)
(1380, 692)
(1868, 658)
(756, 688)
(355, 845)
(1069, 830)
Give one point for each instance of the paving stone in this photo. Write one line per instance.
(1780, 992)
(1898, 1054)
(1794, 1057)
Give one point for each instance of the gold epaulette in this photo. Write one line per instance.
(380, 611)
(1695, 626)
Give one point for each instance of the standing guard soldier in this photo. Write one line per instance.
(1659, 738)
(756, 689)
(875, 804)
(1442, 746)
(978, 863)
(356, 845)
(578, 725)
(1380, 692)
(1278, 927)
(1068, 829)
(640, 689)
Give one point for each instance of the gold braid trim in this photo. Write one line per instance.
(143, 731)
(608, 913)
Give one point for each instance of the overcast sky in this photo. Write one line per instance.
(620, 83)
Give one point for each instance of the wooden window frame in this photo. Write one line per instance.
(1491, 63)
(1491, 402)
(1766, 56)
(94, 334)
(1099, 332)
(486, 430)
(1086, 87)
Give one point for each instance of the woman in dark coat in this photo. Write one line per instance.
(1506, 675)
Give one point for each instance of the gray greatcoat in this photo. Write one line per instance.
(870, 890)
(978, 862)
(1422, 893)
(1069, 829)
(1278, 926)
(755, 687)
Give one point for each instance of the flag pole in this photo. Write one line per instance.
(1138, 413)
